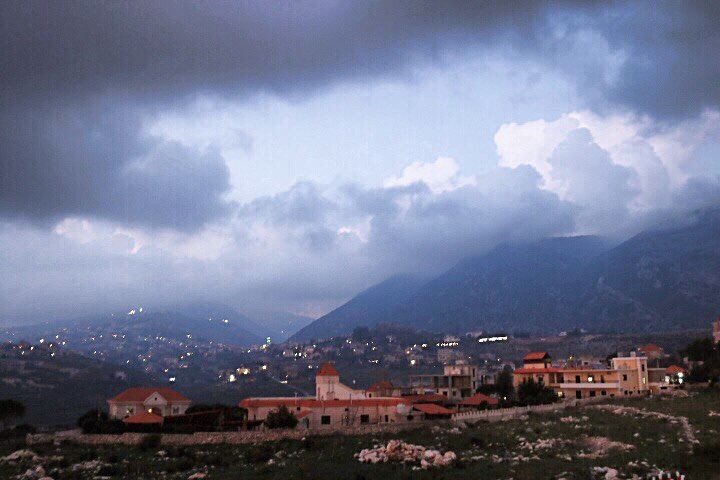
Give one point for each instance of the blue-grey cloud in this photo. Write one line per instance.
(61, 161)
(80, 77)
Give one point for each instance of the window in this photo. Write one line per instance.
(325, 420)
(590, 378)
(297, 408)
(387, 419)
(643, 367)
(410, 418)
(603, 392)
(592, 393)
(364, 418)
(577, 378)
(602, 378)
(578, 394)
(624, 377)
(175, 410)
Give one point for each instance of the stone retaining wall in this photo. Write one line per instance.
(514, 412)
(212, 438)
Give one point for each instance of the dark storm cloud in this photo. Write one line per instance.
(173, 47)
(60, 161)
(169, 48)
(79, 78)
(672, 68)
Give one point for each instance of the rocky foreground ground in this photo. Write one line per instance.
(640, 439)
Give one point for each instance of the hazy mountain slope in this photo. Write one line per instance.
(513, 287)
(281, 325)
(239, 328)
(368, 308)
(665, 279)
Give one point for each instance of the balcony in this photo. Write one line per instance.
(593, 385)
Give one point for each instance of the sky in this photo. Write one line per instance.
(283, 156)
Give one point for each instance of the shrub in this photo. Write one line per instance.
(281, 418)
(10, 410)
(151, 441)
(18, 431)
(258, 454)
(531, 392)
(95, 421)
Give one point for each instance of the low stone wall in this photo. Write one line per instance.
(213, 438)
(514, 412)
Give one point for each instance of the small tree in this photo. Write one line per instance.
(701, 350)
(531, 392)
(10, 410)
(95, 421)
(504, 385)
(281, 418)
(92, 421)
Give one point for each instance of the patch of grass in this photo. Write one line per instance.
(486, 450)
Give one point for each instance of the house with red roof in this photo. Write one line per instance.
(624, 376)
(384, 388)
(335, 405)
(478, 401)
(147, 404)
(651, 351)
(537, 360)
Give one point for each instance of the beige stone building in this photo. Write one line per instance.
(140, 401)
(455, 383)
(336, 405)
(625, 376)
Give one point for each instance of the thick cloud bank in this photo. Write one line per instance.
(97, 210)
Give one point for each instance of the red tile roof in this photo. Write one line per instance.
(674, 369)
(426, 398)
(311, 402)
(382, 385)
(536, 356)
(478, 399)
(327, 370)
(650, 348)
(140, 394)
(144, 417)
(432, 409)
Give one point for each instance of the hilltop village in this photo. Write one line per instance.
(383, 362)
(448, 406)
(460, 387)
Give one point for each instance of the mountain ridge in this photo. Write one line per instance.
(666, 278)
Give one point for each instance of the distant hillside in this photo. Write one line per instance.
(222, 323)
(220, 326)
(281, 325)
(368, 308)
(665, 279)
(58, 389)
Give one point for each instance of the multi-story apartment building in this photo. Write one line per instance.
(624, 376)
(456, 382)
